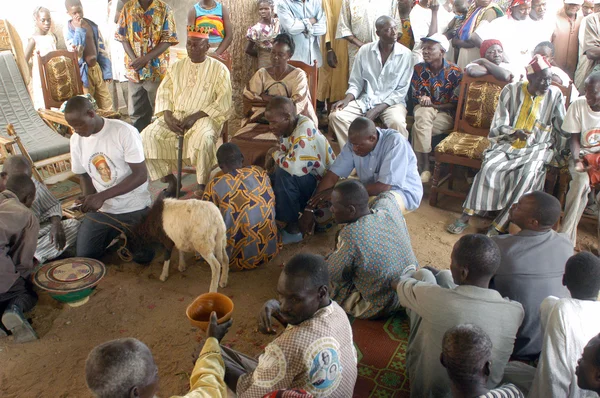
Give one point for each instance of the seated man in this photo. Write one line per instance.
(588, 366)
(373, 248)
(491, 62)
(126, 368)
(581, 123)
(434, 86)
(525, 127)
(108, 156)
(532, 265)
(193, 100)
(315, 352)
(383, 160)
(18, 237)
(378, 84)
(247, 203)
(568, 324)
(435, 303)
(466, 355)
(55, 235)
(296, 165)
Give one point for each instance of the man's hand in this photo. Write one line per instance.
(215, 330)
(312, 21)
(434, 5)
(318, 198)
(269, 309)
(269, 161)
(431, 269)
(374, 112)
(57, 235)
(425, 101)
(92, 203)
(394, 283)
(307, 223)
(188, 122)
(77, 22)
(332, 60)
(520, 135)
(172, 123)
(139, 62)
(108, 81)
(338, 106)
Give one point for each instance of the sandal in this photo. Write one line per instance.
(457, 227)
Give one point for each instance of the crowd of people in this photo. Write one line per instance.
(499, 323)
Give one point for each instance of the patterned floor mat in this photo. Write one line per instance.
(381, 349)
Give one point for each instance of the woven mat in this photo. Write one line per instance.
(381, 349)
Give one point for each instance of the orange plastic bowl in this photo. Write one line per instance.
(199, 311)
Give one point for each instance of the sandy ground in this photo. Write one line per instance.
(132, 302)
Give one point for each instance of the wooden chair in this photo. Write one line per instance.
(312, 75)
(477, 102)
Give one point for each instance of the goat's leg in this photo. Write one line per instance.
(215, 268)
(167, 262)
(221, 253)
(182, 264)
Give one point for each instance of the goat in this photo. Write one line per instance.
(189, 225)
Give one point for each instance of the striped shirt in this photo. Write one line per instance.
(504, 391)
(45, 205)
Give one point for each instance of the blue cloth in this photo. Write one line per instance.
(76, 36)
(291, 194)
(391, 162)
(294, 18)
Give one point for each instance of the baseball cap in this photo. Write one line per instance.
(438, 38)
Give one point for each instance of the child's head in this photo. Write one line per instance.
(582, 276)
(74, 8)
(265, 9)
(43, 19)
(460, 7)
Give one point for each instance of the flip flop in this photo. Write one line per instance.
(457, 227)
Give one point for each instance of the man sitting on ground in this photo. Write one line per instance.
(523, 133)
(491, 62)
(18, 237)
(247, 202)
(378, 84)
(568, 324)
(384, 161)
(299, 162)
(588, 366)
(108, 156)
(466, 355)
(435, 303)
(126, 368)
(193, 100)
(373, 248)
(434, 87)
(581, 123)
(315, 352)
(532, 265)
(56, 235)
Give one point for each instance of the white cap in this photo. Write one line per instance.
(578, 2)
(439, 38)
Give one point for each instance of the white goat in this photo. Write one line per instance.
(190, 226)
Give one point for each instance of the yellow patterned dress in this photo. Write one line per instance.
(247, 203)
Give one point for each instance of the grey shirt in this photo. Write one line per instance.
(433, 310)
(532, 267)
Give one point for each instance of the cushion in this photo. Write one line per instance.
(466, 145)
(59, 72)
(482, 98)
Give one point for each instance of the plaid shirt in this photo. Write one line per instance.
(441, 88)
(144, 30)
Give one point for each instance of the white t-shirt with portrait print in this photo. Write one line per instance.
(104, 156)
(580, 118)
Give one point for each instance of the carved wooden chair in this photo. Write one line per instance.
(312, 73)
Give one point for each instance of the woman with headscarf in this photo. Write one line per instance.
(481, 11)
(491, 62)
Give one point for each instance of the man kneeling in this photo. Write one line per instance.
(373, 248)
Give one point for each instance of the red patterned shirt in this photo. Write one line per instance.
(441, 88)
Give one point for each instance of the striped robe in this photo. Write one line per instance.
(186, 89)
(507, 173)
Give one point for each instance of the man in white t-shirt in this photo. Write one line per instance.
(582, 122)
(109, 158)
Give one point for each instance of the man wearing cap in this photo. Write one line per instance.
(524, 129)
(434, 87)
(491, 62)
(378, 84)
(565, 37)
(589, 54)
(193, 100)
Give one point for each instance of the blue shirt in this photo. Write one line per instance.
(391, 162)
(294, 18)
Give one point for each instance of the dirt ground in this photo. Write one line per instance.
(132, 302)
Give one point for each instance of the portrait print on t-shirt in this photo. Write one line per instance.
(102, 169)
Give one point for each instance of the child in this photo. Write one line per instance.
(42, 41)
(260, 36)
(215, 16)
(84, 37)
(460, 9)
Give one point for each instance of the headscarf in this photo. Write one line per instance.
(515, 3)
(537, 64)
(487, 44)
